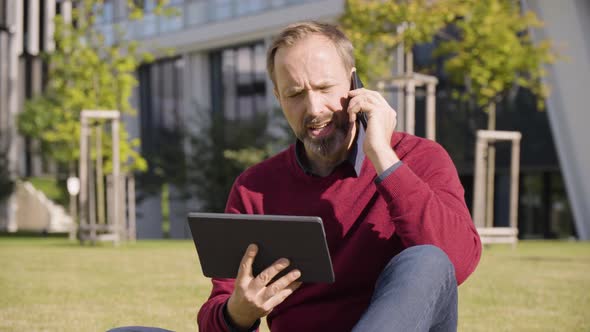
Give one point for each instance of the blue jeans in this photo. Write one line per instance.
(417, 291)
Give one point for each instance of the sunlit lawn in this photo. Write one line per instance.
(54, 285)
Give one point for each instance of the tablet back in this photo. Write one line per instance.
(221, 241)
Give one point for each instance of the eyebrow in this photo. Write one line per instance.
(321, 84)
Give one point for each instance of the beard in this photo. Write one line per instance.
(326, 146)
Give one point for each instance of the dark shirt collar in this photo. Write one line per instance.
(356, 155)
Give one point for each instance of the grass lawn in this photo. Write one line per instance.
(50, 284)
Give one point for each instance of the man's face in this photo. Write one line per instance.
(312, 86)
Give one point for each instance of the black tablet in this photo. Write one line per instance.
(221, 241)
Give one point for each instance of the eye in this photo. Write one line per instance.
(295, 95)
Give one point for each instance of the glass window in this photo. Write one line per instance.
(105, 13)
(170, 23)
(229, 83)
(149, 5)
(242, 92)
(108, 33)
(147, 26)
(245, 7)
(244, 65)
(196, 12)
(278, 3)
(173, 22)
(160, 86)
(220, 9)
(259, 62)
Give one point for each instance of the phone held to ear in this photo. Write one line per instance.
(355, 83)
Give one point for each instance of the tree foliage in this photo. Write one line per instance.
(224, 149)
(86, 72)
(6, 180)
(485, 44)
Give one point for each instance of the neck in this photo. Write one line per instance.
(324, 166)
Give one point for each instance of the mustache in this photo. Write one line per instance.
(312, 121)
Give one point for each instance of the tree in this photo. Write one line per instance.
(485, 45)
(224, 149)
(86, 72)
(377, 27)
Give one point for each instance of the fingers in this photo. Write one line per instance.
(269, 273)
(245, 269)
(363, 100)
(280, 296)
(279, 285)
(359, 103)
(356, 92)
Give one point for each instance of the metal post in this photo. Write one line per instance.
(73, 215)
(410, 95)
(123, 207)
(131, 207)
(410, 107)
(91, 193)
(479, 179)
(99, 176)
(83, 175)
(116, 181)
(430, 111)
(514, 175)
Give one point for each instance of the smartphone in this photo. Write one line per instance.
(355, 83)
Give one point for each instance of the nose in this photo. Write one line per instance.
(315, 105)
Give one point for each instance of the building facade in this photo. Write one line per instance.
(211, 61)
(26, 31)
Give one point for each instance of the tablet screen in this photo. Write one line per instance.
(221, 241)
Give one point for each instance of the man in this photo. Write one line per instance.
(399, 232)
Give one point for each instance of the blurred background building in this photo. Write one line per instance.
(210, 60)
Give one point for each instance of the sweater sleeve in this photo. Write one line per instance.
(211, 316)
(425, 201)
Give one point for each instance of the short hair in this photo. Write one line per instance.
(293, 33)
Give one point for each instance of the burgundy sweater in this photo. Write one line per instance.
(366, 224)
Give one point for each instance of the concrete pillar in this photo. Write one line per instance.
(49, 29)
(149, 216)
(14, 50)
(178, 212)
(34, 18)
(66, 11)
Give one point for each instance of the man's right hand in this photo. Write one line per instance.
(253, 297)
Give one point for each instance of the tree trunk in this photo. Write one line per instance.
(491, 161)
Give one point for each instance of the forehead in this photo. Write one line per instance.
(312, 54)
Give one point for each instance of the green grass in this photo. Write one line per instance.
(49, 284)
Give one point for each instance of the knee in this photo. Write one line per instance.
(424, 264)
